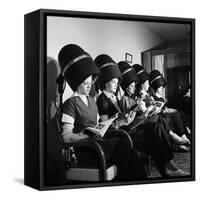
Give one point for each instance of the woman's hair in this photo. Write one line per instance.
(138, 88)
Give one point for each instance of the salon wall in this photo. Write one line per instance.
(98, 36)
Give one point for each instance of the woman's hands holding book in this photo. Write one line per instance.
(131, 117)
(142, 106)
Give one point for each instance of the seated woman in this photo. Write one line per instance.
(80, 111)
(173, 117)
(149, 135)
(150, 105)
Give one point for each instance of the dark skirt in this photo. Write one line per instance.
(119, 152)
(176, 122)
(152, 137)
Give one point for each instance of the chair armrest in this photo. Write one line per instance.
(93, 145)
(119, 133)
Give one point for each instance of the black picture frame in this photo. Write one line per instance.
(35, 87)
(128, 57)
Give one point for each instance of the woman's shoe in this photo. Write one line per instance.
(177, 139)
(183, 148)
(184, 137)
(170, 165)
(177, 172)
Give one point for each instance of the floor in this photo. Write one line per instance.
(182, 159)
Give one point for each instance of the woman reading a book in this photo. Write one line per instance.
(172, 116)
(80, 111)
(148, 136)
(150, 105)
(108, 82)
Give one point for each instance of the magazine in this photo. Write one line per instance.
(154, 109)
(159, 104)
(101, 128)
(150, 110)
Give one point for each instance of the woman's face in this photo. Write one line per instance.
(131, 88)
(145, 85)
(160, 90)
(85, 86)
(111, 86)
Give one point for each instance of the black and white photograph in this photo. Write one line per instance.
(100, 100)
(119, 104)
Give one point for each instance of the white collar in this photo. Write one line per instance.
(113, 99)
(76, 94)
(109, 95)
(83, 97)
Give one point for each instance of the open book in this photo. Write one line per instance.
(154, 109)
(101, 128)
(159, 104)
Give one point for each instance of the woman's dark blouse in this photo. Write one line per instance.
(105, 106)
(127, 103)
(84, 116)
(148, 100)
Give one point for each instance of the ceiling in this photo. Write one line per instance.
(170, 32)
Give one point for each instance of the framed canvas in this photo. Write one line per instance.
(75, 78)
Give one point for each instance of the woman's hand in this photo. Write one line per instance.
(131, 117)
(142, 106)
